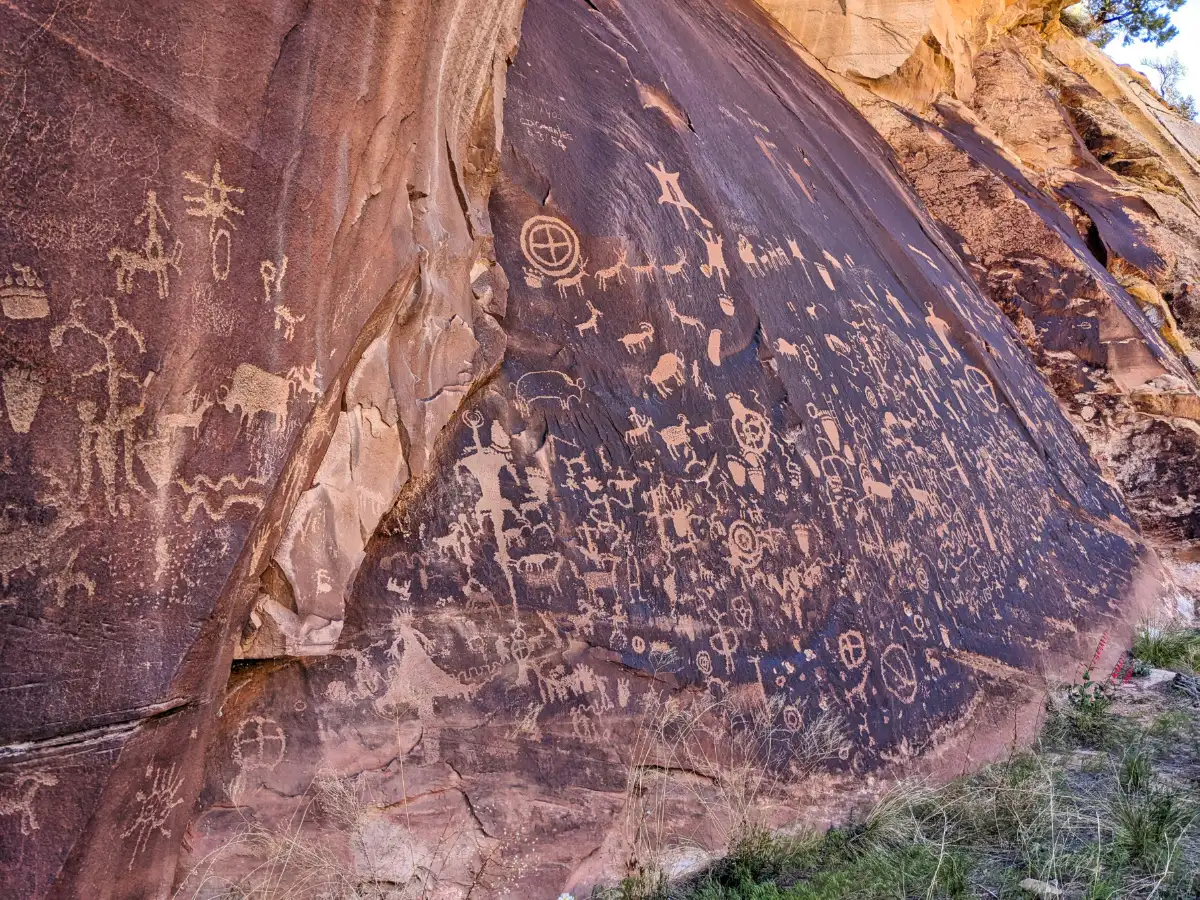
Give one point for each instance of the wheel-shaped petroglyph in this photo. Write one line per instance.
(852, 649)
(899, 675)
(550, 245)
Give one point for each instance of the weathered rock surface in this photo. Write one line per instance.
(210, 220)
(715, 484)
(759, 456)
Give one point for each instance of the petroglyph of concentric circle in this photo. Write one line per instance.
(550, 245)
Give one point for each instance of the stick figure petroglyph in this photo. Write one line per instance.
(213, 203)
(152, 258)
(99, 437)
(156, 807)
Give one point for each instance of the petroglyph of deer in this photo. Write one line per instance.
(592, 324)
(642, 273)
(636, 342)
(672, 270)
(684, 320)
(613, 271)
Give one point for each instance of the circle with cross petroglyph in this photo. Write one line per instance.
(899, 675)
(550, 245)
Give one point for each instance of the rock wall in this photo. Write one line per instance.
(765, 498)
(1071, 190)
(345, 543)
(211, 220)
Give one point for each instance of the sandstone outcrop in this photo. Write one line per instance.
(477, 446)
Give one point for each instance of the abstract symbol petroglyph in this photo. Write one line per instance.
(550, 245)
(672, 194)
(272, 280)
(213, 203)
(152, 258)
(154, 811)
(260, 743)
(899, 676)
(217, 497)
(22, 395)
(23, 296)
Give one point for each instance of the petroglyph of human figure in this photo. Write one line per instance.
(640, 432)
(99, 436)
(714, 245)
(213, 203)
(672, 194)
(484, 464)
(415, 680)
(272, 279)
(156, 806)
(152, 258)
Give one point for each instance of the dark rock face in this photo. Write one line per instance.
(758, 452)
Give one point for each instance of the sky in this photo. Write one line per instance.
(1186, 44)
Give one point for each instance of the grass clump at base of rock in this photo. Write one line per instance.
(1106, 807)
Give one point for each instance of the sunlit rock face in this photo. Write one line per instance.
(760, 459)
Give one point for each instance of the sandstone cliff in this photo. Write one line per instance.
(477, 446)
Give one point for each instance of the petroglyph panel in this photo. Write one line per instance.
(756, 439)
